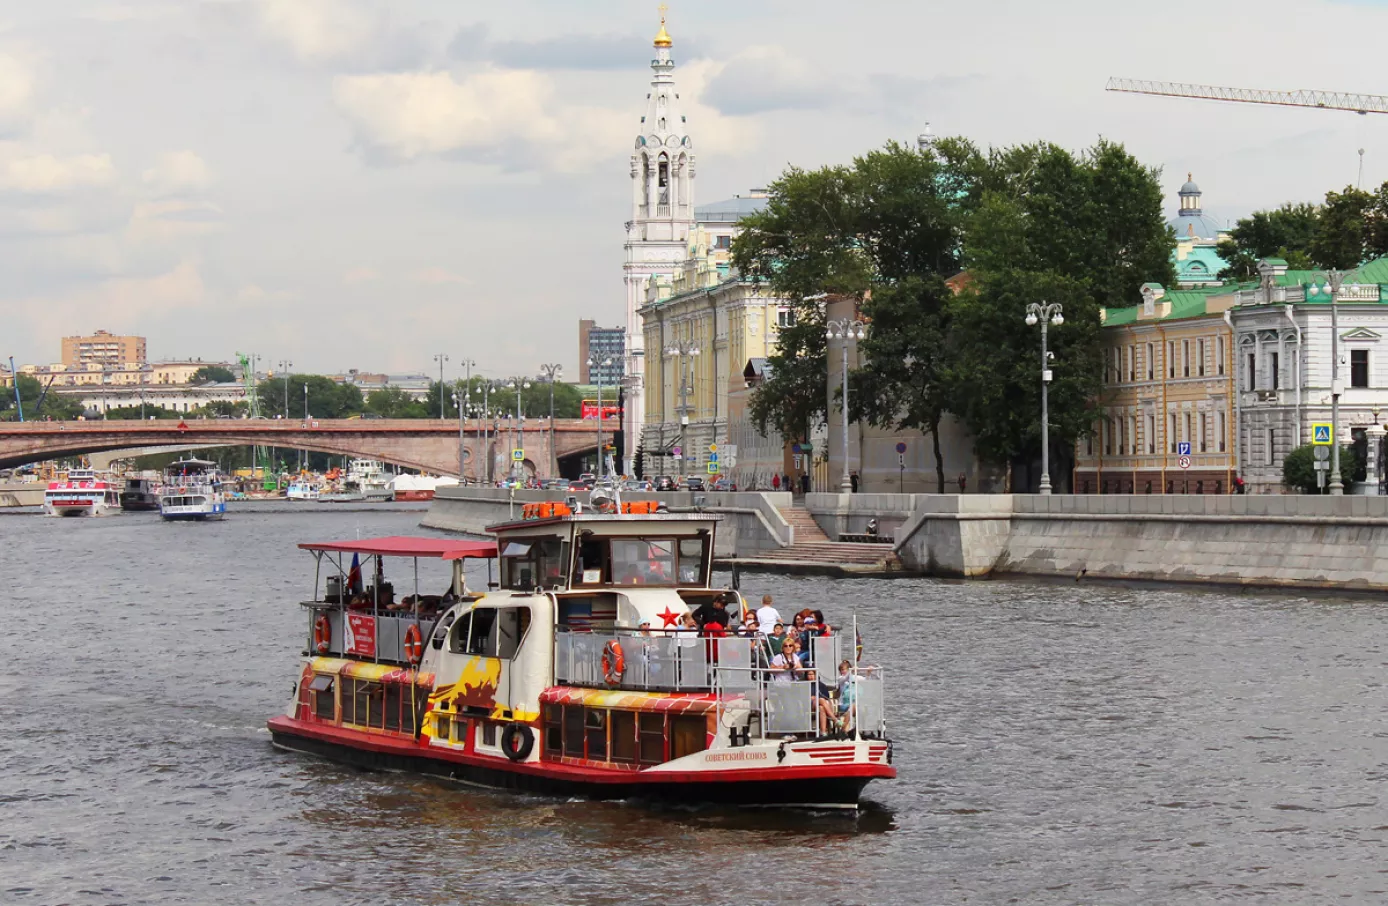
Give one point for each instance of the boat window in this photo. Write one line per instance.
(392, 706)
(643, 561)
(538, 562)
(365, 706)
(623, 725)
(595, 721)
(458, 634)
(511, 624)
(480, 640)
(324, 705)
(691, 560)
(554, 729)
(592, 560)
(573, 731)
(488, 733)
(688, 734)
(652, 739)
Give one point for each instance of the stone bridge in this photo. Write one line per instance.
(427, 444)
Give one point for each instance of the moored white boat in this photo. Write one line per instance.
(302, 489)
(84, 492)
(192, 492)
(573, 677)
(419, 487)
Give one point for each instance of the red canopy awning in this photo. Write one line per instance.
(402, 546)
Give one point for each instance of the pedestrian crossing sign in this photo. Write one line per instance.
(517, 455)
(1322, 434)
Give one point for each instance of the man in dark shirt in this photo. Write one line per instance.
(712, 612)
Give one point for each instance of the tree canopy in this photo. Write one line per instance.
(55, 406)
(212, 374)
(1032, 223)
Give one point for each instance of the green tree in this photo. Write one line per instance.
(394, 402)
(1285, 232)
(55, 405)
(1084, 231)
(1342, 235)
(326, 397)
(232, 408)
(212, 374)
(1299, 472)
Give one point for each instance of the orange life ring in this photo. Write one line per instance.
(614, 662)
(322, 635)
(414, 645)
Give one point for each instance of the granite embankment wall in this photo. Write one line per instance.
(1262, 540)
(751, 521)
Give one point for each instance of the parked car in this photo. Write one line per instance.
(666, 483)
(633, 484)
(724, 484)
(694, 483)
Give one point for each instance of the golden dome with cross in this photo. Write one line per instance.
(662, 37)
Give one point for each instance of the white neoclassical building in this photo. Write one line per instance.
(1282, 345)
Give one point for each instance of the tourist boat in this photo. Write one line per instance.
(302, 489)
(140, 494)
(83, 492)
(550, 681)
(368, 478)
(193, 491)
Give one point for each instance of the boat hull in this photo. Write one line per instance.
(809, 787)
(414, 495)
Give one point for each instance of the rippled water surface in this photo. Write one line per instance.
(1056, 744)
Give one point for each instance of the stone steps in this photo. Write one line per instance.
(807, 531)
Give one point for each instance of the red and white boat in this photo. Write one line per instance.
(419, 487)
(84, 492)
(570, 676)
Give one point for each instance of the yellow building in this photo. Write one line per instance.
(704, 327)
(103, 348)
(1166, 421)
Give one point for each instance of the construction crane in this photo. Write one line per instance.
(1322, 100)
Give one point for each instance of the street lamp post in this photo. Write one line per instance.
(593, 363)
(518, 466)
(683, 351)
(303, 454)
(552, 373)
(848, 330)
(285, 365)
(457, 401)
(1329, 283)
(1045, 312)
(440, 358)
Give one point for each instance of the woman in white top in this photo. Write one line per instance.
(786, 666)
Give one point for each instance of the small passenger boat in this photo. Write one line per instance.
(140, 494)
(82, 492)
(570, 675)
(193, 492)
(302, 489)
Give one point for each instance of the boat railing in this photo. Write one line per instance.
(736, 668)
(375, 636)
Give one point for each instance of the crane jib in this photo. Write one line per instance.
(1324, 100)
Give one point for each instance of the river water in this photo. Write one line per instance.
(1056, 744)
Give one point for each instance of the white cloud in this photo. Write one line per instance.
(357, 275)
(16, 88)
(125, 303)
(509, 117)
(44, 173)
(177, 171)
(439, 276)
(315, 30)
(172, 218)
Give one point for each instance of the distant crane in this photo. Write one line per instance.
(1323, 100)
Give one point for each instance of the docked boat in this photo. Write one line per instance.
(419, 487)
(193, 492)
(302, 489)
(82, 492)
(140, 494)
(571, 675)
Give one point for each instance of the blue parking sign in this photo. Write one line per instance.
(1183, 448)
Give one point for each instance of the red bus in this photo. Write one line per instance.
(589, 409)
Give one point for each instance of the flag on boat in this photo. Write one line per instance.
(354, 577)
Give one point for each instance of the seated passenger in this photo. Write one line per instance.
(785, 667)
(749, 627)
(824, 705)
(776, 638)
(359, 602)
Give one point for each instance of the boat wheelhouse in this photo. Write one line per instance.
(192, 492)
(571, 674)
(141, 493)
(82, 492)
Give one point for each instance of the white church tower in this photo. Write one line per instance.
(662, 216)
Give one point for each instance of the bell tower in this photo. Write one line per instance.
(662, 216)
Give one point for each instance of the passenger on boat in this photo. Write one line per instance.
(359, 602)
(824, 704)
(749, 627)
(767, 615)
(713, 612)
(776, 638)
(786, 666)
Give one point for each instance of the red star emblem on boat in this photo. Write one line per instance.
(669, 616)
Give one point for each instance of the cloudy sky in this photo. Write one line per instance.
(363, 184)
